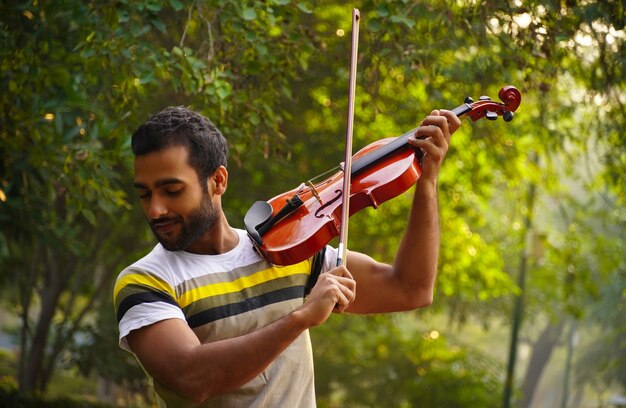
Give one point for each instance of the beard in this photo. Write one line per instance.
(198, 222)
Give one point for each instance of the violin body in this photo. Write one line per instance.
(293, 226)
(317, 221)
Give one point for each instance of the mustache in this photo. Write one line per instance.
(162, 220)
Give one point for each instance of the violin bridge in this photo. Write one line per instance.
(314, 192)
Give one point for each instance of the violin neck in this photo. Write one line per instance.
(462, 110)
(396, 145)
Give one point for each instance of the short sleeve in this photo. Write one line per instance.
(141, 299)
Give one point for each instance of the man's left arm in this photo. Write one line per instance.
(409, 282)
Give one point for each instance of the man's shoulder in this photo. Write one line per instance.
(154, 262)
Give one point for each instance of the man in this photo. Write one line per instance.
(214, 324)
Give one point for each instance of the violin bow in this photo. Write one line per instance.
(347, 166)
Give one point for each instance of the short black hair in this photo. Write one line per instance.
(180, 126)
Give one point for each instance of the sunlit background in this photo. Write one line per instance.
(530, 299)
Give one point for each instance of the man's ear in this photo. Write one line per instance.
(219, 180)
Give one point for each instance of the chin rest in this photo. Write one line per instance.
(258, 214)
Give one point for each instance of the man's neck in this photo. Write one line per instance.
(217, 240)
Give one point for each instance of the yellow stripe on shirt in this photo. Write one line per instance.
(239, 284)
(144, 280)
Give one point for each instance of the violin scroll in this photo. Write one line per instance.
(486, 108)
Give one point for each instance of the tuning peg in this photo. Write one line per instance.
(484, 98)
(468, 100)
(491, 115)
(507, 116)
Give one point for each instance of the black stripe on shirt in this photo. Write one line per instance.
(256, 302)
(143, 297)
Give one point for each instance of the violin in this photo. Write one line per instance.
(295, 225)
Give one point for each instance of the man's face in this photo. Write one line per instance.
(178, 209)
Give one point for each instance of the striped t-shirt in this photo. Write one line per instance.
(223, 296)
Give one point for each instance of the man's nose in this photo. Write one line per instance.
(156, 208)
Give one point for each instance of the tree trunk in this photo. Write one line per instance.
(40, 352)
(541, 352)
(33, 377)
(26, 293)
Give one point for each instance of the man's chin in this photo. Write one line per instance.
(171, 245)
(168, 244)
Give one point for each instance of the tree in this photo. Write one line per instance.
(75, 78)
(566, 58)
(579, 49)
(60, 157)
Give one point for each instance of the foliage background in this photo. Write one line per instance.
(532, 211)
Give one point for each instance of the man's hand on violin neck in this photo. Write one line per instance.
(433, 138)
(333, 292)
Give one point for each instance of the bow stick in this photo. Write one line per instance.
(347, 166)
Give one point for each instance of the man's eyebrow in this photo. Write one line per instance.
(160, 183)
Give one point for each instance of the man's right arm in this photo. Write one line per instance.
(172, 354)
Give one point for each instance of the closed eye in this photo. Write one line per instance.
(174, 193)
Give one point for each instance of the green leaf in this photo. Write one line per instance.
(122, 16)
(261, 49)
(254, 119)
(373, 25)
(410, 23)
(382, 10)
(176, 4)
(249, 14)
(223, 90)
(154, 6)
(159, 25)
(305, 8)
(89, 216)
